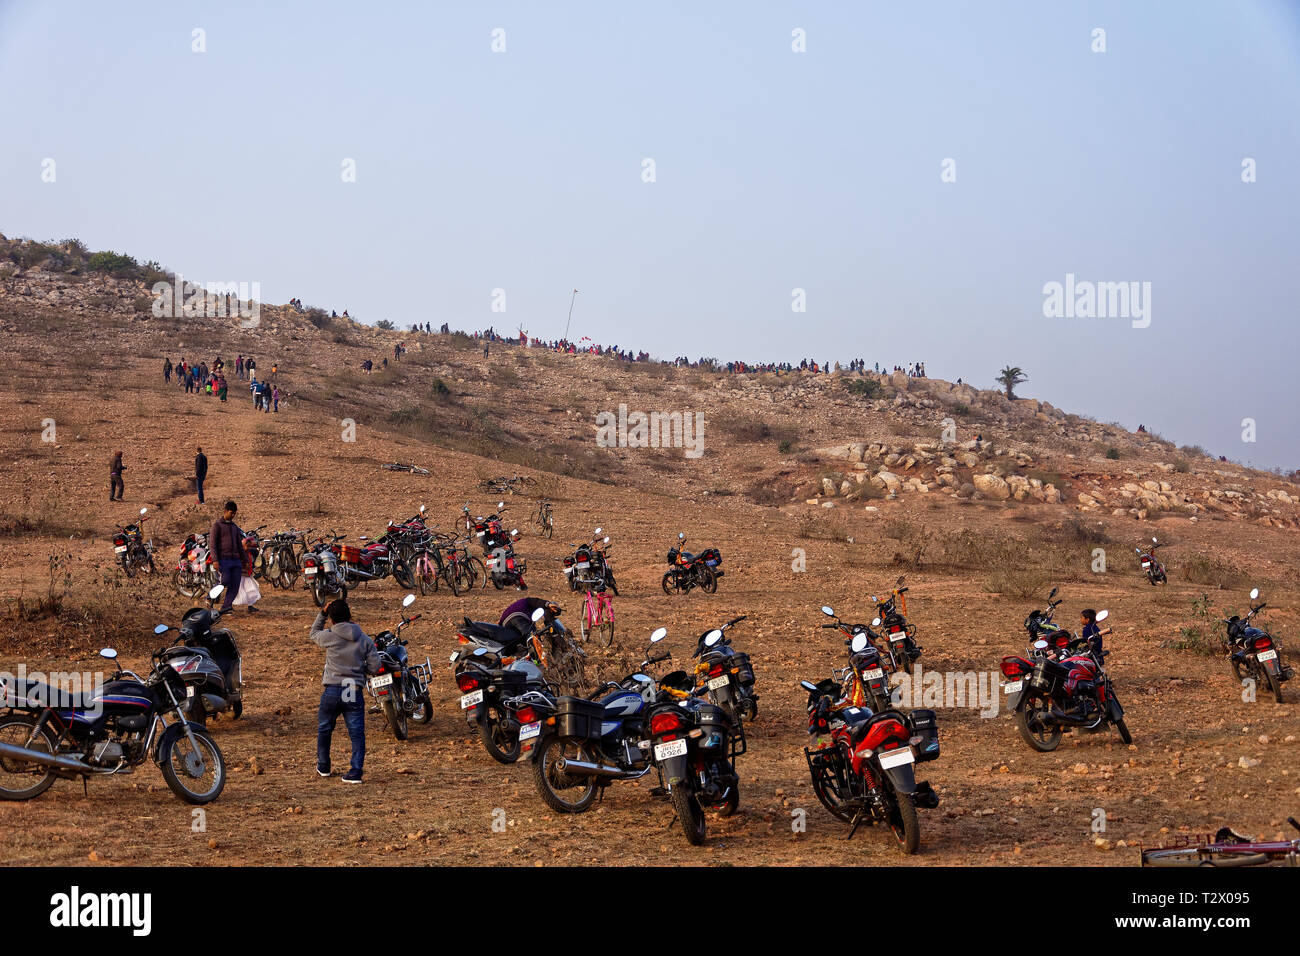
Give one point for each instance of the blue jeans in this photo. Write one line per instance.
(231, 573)
(199, 484)
(332, 703)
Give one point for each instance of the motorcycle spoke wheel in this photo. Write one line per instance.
(1036, 730)
(181, 769)
(561, 792)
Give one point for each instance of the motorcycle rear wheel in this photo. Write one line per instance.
(1274, 685)
(560, 792)
(904, 824)
(17, 730)
(1036, 731)
(494, 731)
(708, 580)
(396, 717)
(690, 813)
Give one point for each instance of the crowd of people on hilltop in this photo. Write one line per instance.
(210, 380)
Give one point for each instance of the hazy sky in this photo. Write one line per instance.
(774, 170)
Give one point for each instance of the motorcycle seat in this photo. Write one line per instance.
(505, 638)
(31, 693)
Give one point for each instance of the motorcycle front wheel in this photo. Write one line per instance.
(669, 585)
(707, 579)
(423, 712)
(1124, 735)
(178, 761)
(184, 583)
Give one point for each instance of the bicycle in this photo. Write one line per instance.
(598, 616)
(503, 485)
(1226, 849)
(544, 519)
(402, 466)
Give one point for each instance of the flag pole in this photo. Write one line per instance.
(570, 319)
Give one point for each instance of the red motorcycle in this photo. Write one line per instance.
(866, 771)
(195, 571)
(686, 570)
(1151, 565)
(1062, 684)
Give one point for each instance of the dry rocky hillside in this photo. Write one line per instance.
(818, 489)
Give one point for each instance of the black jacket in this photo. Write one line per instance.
(200, 466)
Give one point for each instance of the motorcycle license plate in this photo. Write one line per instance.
(309, 572)
(383, 680)
(582, 566)
(719, 682)
(896, 758)
(1014, 687)
(120, 549)
(189, 690)
(897, 637)
(1266, 656)
(1145, 565)
(469, 700)
(874, 674)
(480, 534)
(529, 731)
(674, 748)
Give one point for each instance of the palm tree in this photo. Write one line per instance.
(1011, 377)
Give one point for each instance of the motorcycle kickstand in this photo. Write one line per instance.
(857, 822)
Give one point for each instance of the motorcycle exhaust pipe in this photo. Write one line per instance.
(49, 760)
(1061, 717)
(583, 768)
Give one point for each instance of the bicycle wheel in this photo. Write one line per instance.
(605, 623)
(1200, 856)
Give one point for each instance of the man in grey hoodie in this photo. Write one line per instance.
(349, 656)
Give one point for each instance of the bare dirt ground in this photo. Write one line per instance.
(1201, 757)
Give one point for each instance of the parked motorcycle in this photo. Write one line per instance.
(586, 745)
(486, 683)
(1152, 566)
(1061, 686)
(321, 571)
(893, 624)
(724, 674)
(209, 662)
(401, 688)
(686, 570)
(47, 734)
(133, 549)
(1256, 654)
(588, 565)
(695, 746)
(866, 679)
(195, 571)
(862, 762)
(504, 569)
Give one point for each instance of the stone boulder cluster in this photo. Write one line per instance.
(970, 469)
(1140, 497)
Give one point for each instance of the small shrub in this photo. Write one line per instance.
(1112, 453)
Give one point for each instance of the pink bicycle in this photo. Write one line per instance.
(598, 616)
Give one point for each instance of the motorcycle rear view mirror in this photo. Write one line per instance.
(514, 532)
(828, 610)
(144, 511)
(859, 643)
(1102, 615)
(109, 653)
(680, 536)
(1254, 594)
(606, 539)
(659, 634)
(408, 600)
(597, 532)
(1052, 594)
(875, 622)
(1040, 645)
(808, 685)
(501, 504)
(161, 629)
(1154, 541)
(422, 509)
(538, 615)
(712, 638)
(216, 592)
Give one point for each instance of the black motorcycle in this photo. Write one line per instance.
(1256, 654)
(696, 744)
(486, 684)
(1152, 566)
(208, 660)
(47, 734)
(503, 568)
(725, 674)
(401, 688)
(890, 618)
(132, 548)
(687, 571)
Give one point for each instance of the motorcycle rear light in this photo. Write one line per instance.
(1263, 642)
(664, 723)
(715, 670)
(462, 638)
(1012, 668)
(894, 629)
(467, 682)
(526, 715)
